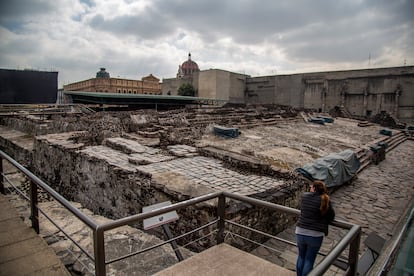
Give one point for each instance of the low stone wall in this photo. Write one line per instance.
(81, 167)
(21, 155)
(101, 187)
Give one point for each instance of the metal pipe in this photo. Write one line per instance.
(34, 212)
(160, 244)
(261, 203)
(262, 233)
(139, 217)
(221, 210)
(353, 255)
(99, 252)
(336, 251)
(1, 177)
(99, 230)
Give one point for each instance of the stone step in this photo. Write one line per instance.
(395, 142)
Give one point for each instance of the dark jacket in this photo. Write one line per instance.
(310, 214)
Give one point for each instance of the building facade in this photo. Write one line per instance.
(188, 72)
(104, 83)
(363, 93)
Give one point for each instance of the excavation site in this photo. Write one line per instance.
(114, 165)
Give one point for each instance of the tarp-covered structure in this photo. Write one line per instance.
(334, 169)
(227, 132)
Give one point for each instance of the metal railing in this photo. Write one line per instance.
(351, 238)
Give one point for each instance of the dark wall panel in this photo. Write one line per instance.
(27, 86)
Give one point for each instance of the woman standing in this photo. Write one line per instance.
(316, 213)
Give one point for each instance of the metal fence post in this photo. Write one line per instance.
(99, 251)
(221, 208)
(353, 254)
(33, 206)
(1, 177)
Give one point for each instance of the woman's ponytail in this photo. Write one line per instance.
(321, 189)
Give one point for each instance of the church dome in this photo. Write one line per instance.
(187, 68)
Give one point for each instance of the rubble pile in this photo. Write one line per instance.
(387, 120)
(340, 111)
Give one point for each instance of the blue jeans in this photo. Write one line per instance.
(308, 249)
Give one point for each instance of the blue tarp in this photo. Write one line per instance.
(334, 169)
(316, 120)
(226, 131)
(386, 132)
(326, 119)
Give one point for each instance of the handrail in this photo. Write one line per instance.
(352, 238)
(260, 232)
(124, 221)
(160, 244)
(84, 218)
(323, 266)
(261, 203)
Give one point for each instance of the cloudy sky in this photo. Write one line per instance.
(133, 38)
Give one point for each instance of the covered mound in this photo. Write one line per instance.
(334, 169)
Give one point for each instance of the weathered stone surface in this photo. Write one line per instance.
(353, 203)
(114, 182)
(180, 186)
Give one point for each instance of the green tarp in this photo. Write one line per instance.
(334, 169)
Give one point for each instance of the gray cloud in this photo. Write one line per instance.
(21, 9)
(134, 38)
(142, 26)
(14, 13)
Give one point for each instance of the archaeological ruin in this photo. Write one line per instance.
(116, 163)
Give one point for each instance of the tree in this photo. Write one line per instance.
(186, 89)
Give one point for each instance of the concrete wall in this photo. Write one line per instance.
(237, 88)
(28, 86)
(361, 92)
(207, 85)
(260, 90)
(281, 90)
(211, 84)
(170, 86)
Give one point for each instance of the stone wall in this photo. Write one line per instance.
(85, 167)
(117, 190)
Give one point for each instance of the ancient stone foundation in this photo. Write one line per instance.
(116, 163)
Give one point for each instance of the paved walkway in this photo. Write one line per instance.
(22, 251)
(378, 200)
